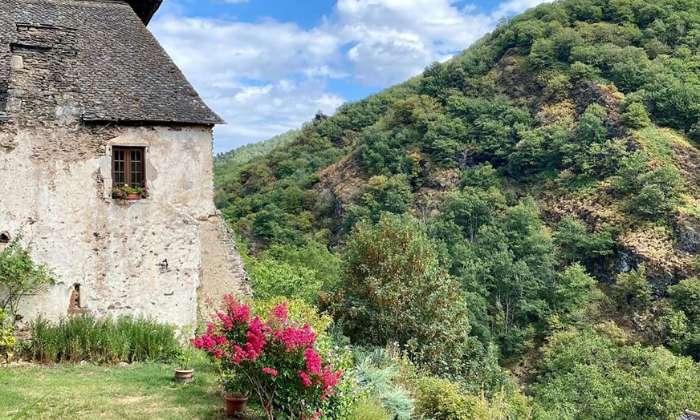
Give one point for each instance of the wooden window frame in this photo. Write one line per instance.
(128, 173)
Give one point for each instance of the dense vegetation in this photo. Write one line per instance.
(84, 338)
(526, 214)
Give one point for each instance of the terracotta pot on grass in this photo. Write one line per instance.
(184, 376)
(235, 404)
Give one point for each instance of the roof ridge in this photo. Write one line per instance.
(145, 9)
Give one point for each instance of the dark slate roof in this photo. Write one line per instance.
(122, 73)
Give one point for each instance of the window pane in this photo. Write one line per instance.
(118, 167)
(136, 167)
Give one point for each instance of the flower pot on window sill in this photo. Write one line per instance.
(235, 404)
(133, 197)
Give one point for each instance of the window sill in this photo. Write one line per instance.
(125, 201)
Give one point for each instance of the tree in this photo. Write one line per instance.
(636, 116)
(685, 296)
(632, 291)
(585, 375)
(576, 244)
(394, 290)
(574, 292)
(20, 276)
(658, 192)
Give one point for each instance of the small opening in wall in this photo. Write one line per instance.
(4, 238)
(74, 306)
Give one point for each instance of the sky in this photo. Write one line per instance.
(268, 66)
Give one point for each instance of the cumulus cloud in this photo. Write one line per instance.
(260, 112)
(269, 76)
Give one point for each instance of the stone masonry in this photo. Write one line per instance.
(63, 108)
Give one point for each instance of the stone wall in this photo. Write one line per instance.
(141, 258)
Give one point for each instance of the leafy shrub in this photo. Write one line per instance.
(585, 375)
(306, 272)
(382, 194)
(369, 409)
(576, 244)
(379, 375)
(395, 291)
(270, 278)
(636, 116)
(631, 291)
(685, 296)
(277, 357)
(654, 193)
(574, 293)
(79, 338)
(683, 329)
(20, 276)
(7, 337)
(440, 399)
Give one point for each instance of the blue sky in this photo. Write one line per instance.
(267, 66)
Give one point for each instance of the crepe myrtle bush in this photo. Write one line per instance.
(276, 357)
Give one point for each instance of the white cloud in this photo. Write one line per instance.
(259, 112)
(515, 6)
(267, 77)
(393, 40)
(210, 50)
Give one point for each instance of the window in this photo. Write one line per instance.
(128, 166)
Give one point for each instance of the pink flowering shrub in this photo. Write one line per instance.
(275, 356)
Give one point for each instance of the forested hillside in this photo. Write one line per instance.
(522, 221)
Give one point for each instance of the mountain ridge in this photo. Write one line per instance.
(556, 157)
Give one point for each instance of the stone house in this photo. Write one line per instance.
(89, 103)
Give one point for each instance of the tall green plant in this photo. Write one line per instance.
(20, 276)
(79, 338)
(394, 290)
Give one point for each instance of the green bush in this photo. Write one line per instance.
(394, 290)
(380, 375)
(583, 375)
(636, 116)
(685, 296)
(368, 409)
(20, 276)
(7, 338)
(654, 193)
(79, 338)
(577, 244)
(306, 272)
(440, 399)
(632, 292)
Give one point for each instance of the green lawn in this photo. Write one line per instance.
(140, 391)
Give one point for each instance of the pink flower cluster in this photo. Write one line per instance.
(246, 342)
(317, 374)
(270, 371)
(296, 338)
(256, 337)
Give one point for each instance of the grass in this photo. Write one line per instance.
(138, 391)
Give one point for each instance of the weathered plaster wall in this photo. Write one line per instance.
(222, 267)
(55, 188)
